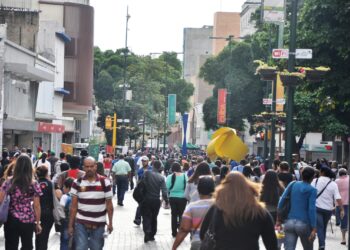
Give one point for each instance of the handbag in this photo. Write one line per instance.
(4, 208)
(58, 210)
(140, 190)
(209, 241)
(284, 210)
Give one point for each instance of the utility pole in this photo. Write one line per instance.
(290, 88)
(124, 75)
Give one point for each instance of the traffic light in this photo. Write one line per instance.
(108, 122)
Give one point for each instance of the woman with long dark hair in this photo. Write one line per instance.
(238, 218)
(176, 184)
(271, 191)
(191, 192)
(24, 211)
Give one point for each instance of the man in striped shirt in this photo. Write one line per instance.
(91, 200)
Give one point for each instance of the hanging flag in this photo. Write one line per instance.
(171, 109)
(184, 143)
(221, 113)
(279, 94)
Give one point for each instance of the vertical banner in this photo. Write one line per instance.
(184, 143)
(221, 117)
(274, 11)
(67, 148)
(94, 150)
(171, 109)
(279, 94)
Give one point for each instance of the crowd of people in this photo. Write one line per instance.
(221, 204)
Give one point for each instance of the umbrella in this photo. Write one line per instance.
(226, 144)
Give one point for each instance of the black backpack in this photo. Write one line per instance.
(140, 190)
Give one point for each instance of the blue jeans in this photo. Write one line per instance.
(294, 229)
(86, 238)
(122, 186)
(64, 235)
(342, 222)
(323, 216)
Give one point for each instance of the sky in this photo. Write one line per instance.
(154, 25)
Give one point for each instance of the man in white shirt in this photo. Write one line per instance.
(327, 192)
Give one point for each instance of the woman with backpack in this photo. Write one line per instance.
(176, 184)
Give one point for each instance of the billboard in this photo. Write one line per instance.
(273, 11)
(171, 109)
(221, 112)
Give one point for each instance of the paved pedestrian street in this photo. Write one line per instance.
(128, 236)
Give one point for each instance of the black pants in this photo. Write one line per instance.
(42, 239)
(131, 181)
(14, 229)
(149, 211)
(177, 206)
(122, 187)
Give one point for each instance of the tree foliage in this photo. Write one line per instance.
(150, 81)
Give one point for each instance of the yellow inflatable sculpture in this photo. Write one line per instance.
(226, 144)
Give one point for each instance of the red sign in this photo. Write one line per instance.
(221, 117)
(280, 53)
(50, 128)
(109, 149)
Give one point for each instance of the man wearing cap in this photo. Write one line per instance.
(121, 170)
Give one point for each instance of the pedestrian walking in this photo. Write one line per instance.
(131, 162)
(46, 206)
(24, 211)
(121, 170)
(43, 162)
(327, 195)
(284, 174)
(191, 191)
(65, 202)
(237, 218)
(176, 184)
(91, 201)
(271, 191)
(154, 183)
(195, 212)
(343, 186)
(74, 171)
(301, 219)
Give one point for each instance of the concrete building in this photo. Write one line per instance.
(77, 18)
(21, 71)
(247, 27)
(197, 47)
(225, 24)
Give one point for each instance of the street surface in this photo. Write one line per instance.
(128, 236)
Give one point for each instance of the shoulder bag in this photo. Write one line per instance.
(209, 241)
(284, 210)
(4, 207)
(140, 190)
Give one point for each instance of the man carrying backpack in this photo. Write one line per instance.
(74, 171)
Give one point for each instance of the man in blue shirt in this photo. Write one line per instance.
(240, 167)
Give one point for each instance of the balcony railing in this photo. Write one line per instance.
(20, 4)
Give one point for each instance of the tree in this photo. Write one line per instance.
(233, 69)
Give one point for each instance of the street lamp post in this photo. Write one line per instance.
(124, 76)
(290, 88)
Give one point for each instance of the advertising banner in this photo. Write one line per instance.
(221, 117)
(184, 143)
(171, 109)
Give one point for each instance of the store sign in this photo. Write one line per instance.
(50, 128)
(221, 112)
(299, 53)
(273, 11)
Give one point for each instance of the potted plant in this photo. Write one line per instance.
(314, 75)
(291, 78)
(266, 72)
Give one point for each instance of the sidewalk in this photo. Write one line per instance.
(127, 236)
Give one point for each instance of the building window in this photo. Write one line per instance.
(70, 48)
(70, 87)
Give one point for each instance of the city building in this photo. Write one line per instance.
(197, 47)
(77, 18)
(247, 27)
(225, 24)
